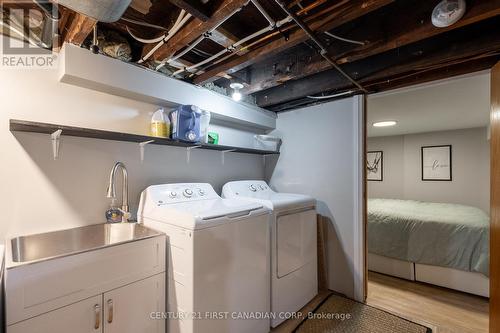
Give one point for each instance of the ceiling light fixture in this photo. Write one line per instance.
(386, 123)
(237, 96)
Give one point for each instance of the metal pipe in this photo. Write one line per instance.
(324, 51)
(263, 12)
(310, 7)
(199, 40)
(50, 23)
(231, 48)
(278, 24)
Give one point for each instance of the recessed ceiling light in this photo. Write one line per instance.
(236, 85)
(386, 123)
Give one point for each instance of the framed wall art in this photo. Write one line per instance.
(436, 163)
(375, 165)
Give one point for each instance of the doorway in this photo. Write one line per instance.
(428, 185)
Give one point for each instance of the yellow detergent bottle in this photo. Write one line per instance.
(160, 125)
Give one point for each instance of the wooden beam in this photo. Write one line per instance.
(80, 27)
(194, 29)
(478, 10)
(411, 33)
(439, 52)
(409, 80)
(347, 12)
(193, 7)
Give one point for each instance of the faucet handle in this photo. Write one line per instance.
(125, 215)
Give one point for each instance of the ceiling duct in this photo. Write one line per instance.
(50, 22)
(107, 11)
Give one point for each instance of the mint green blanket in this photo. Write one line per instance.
(448, 235)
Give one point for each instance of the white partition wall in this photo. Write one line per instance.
(322, 155)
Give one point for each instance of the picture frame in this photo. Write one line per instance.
(436, 163)
(375, 165)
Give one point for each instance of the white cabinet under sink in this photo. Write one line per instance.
(125, 307)
(81, 317)
(109, 290)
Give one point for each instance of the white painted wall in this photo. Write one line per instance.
(321, 156)
(38, 194)
(402, 168)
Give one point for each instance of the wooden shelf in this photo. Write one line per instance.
(35, 127)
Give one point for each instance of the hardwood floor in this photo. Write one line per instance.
(444, 310)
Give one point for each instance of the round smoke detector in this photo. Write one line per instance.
(448, 12)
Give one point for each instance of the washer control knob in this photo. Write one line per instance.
(172, 194)
(201, 192)
(188, 193)
(253, 188)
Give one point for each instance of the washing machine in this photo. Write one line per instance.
(218, 258)
(294, 277)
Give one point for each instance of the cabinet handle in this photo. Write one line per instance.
(97, 320)
(110, 311)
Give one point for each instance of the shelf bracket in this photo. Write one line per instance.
(223, 155)
(141, 148)
(188, 153)
(56, 140)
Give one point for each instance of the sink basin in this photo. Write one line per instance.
(40, 247)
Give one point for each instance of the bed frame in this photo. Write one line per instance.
(469, 282)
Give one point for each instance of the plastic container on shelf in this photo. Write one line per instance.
(186, 123)
(204, 123)
(160, 124)
(267, 142)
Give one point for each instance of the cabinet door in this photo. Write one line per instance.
(81, 317)
(129, 309)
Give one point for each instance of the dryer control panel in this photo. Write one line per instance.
(174, 193)
(248, 188)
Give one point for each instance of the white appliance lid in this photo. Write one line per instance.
(214, 208)
(259, 191)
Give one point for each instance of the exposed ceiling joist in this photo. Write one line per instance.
(477, 11)
(386, 68)
(194, 7)
(467, 67)
(224, 38)
(80, 27)
(343, 14)
(265, 79)
(194, 29)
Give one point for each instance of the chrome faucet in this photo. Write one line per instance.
(112, 191)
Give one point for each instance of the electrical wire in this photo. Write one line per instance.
(347, 40)
(181, 20)
(144, 24)
(145, 41)
(332, 96)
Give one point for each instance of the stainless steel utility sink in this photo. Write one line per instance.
(40, 247)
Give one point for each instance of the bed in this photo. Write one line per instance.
(441, 244)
